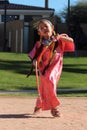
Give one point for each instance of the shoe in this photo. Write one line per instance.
(55, 112)
(36, 110)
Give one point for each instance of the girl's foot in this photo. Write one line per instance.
(55, 112)
(36, 110)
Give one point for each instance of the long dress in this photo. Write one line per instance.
(48, 98)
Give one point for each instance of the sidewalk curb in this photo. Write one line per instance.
(59, 91)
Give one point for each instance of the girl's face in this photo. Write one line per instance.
(45, 29)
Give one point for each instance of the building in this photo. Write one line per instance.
(17, 25)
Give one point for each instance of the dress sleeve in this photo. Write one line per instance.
(66, 46)
(34, 50)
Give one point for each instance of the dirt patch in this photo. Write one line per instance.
(16, 114)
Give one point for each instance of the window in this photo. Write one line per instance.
(9, 18)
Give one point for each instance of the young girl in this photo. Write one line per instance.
(48, 54)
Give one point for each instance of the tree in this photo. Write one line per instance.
(77, 16)
(77, 13)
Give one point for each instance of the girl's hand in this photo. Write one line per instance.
(64, 37)
(34, 62)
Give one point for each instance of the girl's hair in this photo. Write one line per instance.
(43, 20)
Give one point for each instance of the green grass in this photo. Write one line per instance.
(34, 95)
(14, 67)
(13, 71)
(74, 73)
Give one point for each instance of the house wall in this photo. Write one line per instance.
(31, 37)
(15, 40)
(1, 36)
(15, 35)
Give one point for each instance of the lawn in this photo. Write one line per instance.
(14, 68)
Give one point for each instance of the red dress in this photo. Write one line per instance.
(48, 98)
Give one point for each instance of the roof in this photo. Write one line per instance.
(21, 7)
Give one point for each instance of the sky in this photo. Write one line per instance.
(58, 5)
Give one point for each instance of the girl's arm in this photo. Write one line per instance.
(66, 43)
(33, 52)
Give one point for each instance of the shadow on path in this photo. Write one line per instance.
(5, 116)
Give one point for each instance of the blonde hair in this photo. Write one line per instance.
(44, 20)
